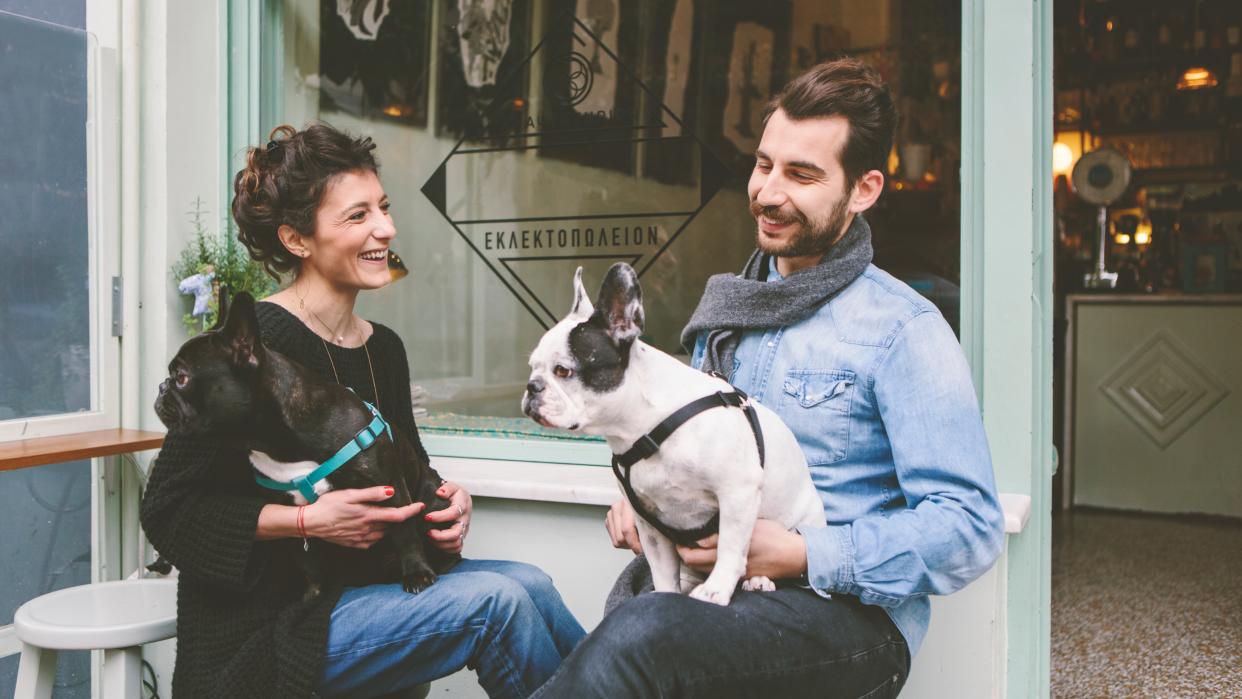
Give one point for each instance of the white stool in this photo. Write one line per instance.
(117, 617)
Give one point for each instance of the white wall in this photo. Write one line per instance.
(172, 135)
(172, 127)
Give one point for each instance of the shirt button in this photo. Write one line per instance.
(771, 343)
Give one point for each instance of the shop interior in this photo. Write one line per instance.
(1147, 162)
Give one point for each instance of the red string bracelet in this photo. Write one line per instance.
(301, 524)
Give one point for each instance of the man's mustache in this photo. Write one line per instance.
(776, 214)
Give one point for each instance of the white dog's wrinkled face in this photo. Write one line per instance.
(581, 361)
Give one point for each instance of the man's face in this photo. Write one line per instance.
(797, 189)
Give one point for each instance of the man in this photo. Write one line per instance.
(873, 383)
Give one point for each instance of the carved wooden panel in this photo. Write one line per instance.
(1163, 388)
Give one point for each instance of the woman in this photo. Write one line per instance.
(310, 203)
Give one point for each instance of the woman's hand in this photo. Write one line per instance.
(451, 539)
(621, 527)
(347, 517)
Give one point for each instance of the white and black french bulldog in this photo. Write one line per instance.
(224, 382)
(590, 373)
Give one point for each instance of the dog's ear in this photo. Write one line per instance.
(619, 307)
(241, 332)
(222, 307)
(582, 303)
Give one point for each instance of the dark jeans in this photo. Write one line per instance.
(783, 644)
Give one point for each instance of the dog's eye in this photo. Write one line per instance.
(182, 380)
(562, 372)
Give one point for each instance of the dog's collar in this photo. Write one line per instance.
(361, 441)
(648, 444)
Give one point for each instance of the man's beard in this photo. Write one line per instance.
(813, 238)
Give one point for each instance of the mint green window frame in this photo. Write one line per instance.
(1005, 314)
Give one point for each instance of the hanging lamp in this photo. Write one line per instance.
(1197, 77)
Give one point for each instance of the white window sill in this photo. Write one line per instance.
(595, 485)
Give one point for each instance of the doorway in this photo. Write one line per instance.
(1147, 162)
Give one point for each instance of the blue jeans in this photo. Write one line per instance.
(503, 619)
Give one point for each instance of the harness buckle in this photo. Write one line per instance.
(303, 485)
(645, 447)
(364, 439)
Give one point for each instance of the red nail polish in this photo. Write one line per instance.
(388, 491)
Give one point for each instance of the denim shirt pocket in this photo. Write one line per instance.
(817, 409)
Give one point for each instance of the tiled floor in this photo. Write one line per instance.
(1146, 606)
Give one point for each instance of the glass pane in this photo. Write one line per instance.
(520, 139)
(45, 514)
(45, 362)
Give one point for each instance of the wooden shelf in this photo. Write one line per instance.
(72, 447)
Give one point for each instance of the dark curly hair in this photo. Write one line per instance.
(285, 181)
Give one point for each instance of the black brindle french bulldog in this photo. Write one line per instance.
(226, 383)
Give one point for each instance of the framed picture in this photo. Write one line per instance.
(374, 57)
(591, 87)
(1204, 268)
(743, 64)
(484, 52)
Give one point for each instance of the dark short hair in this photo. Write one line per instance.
(849, 88)
(284, 183)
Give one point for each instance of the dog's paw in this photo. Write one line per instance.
(418, 581)
(759, 583)
(707, 593)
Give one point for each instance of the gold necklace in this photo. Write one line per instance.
(341, 339)
(370, 370)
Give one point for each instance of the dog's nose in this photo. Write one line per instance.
(535, 386)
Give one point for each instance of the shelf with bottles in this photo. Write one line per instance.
(1150, 104)
(1106, 39)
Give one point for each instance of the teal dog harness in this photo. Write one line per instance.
(361, 441)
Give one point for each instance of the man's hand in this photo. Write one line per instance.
(461, 505)
(775, 552)
(348, 517)
(621, 528)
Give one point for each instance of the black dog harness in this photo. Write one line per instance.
(649, 444)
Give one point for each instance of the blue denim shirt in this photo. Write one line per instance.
(877, 390)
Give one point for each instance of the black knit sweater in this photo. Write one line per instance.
(242, 627)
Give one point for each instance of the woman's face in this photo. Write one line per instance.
(352, 230)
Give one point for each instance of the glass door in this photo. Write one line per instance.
(58, 354)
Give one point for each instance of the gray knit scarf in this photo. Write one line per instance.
(733, 304)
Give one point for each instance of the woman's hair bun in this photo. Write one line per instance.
(284, 182)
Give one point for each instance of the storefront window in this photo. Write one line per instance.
(521, 139)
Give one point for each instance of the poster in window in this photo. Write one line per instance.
(669, 42)
(587, 56)
(745, 63)
(374, 57)
(601, 18)
(484, 47)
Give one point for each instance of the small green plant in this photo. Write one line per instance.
(225, 260)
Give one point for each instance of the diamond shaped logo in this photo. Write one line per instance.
(640, 176)
(1163, 389)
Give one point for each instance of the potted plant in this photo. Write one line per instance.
(209, 261)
